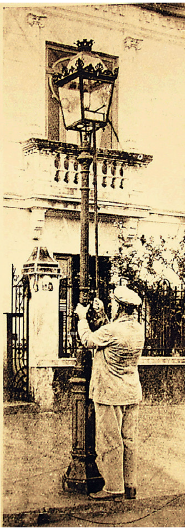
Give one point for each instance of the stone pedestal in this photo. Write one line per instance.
(40, 386)
(44, 274)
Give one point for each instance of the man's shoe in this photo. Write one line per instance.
(130, 493)
(105, 495)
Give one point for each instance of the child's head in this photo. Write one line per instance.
(96, 315)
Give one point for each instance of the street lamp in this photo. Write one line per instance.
(84, 87)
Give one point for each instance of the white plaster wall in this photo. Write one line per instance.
(152, 104)
(63, 235)
(166, 228)
(24, 76)
(151, 85)
(17, 246)
(151, 113)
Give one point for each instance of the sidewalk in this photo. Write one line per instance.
(37, 452)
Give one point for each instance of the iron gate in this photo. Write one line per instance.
(165, 321)
(18, 339)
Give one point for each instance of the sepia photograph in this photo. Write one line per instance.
(93, 256)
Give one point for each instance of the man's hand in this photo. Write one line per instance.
(81, 311)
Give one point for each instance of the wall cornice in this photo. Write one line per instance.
(70, 208)
(135, 20)
(176, 10)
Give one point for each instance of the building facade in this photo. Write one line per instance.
(140, 166)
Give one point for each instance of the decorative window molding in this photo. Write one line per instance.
(130, 42)
(33, 19)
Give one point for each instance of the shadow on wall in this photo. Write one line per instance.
(159, 384)
(162, 384)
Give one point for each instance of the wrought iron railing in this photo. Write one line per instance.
(18, 339)
(164, 315)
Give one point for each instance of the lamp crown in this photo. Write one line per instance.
(84, 45)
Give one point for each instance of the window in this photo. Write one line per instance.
(54, 121)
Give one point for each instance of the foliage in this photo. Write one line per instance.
(146, 262)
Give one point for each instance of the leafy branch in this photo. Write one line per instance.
(144, 262)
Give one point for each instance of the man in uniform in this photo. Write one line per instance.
(116, 391)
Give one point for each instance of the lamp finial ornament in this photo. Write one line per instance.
(84, 45)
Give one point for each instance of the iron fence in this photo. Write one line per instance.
(18, 339)
(164, 317)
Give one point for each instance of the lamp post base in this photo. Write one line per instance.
(82, 476)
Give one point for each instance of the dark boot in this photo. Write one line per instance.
(130, 493)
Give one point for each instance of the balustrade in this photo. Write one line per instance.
(53, 170)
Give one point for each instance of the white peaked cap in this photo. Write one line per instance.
(126, 296)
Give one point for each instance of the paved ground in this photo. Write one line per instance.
(37, 452)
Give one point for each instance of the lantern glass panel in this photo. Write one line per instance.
(70, 101)
(96, 100)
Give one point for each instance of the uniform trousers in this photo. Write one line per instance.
(116, 445)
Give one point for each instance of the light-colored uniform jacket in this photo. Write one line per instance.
(119, 344)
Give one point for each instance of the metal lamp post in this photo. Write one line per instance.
(84, 87)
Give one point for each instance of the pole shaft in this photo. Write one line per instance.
(95, 212)
(85, 160)
(82, 474)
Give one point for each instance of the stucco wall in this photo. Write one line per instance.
(62, 235)
(151, 84)
(151, 115)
